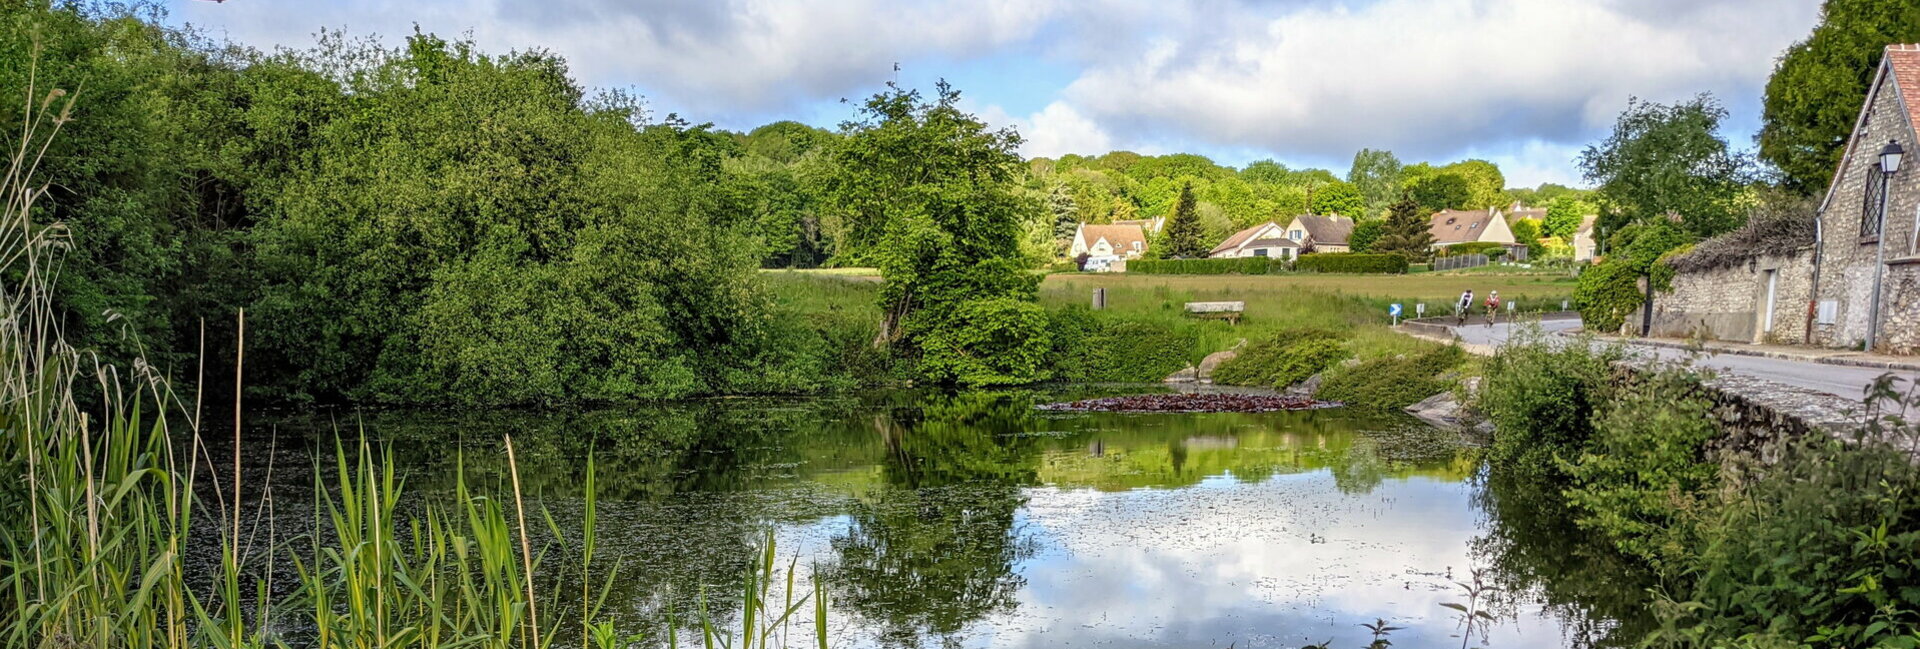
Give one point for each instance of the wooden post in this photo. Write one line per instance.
(1099, 299)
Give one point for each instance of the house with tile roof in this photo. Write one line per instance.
(1104, 245)
(1263, 240)
(1320, 233)
(1866, 271)
(1455, 227)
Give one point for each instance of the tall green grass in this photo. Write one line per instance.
(102, 504)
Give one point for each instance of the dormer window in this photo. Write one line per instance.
(1136, 245)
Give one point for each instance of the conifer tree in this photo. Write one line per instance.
(1185, 239)
(1406, 233)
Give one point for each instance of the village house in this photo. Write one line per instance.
(1107, 247)
(1584, 244)
(1455, 227)
(1320, 233)
(1866, 272)
(1263, 240)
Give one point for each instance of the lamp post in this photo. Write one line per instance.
(1889, 164)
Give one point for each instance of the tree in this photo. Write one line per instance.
(1816, 90)
(1527, 231)
(1341, 199)
(1486, 186)
(1668, 161)
(930, 190)
(1065, 213)
(1406, 232)
(1564, 215)
(1440, 191)
(1377, 175)
(1365, 233)
(1185, 235)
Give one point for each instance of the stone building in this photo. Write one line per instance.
(1856, 248)
(1763, 300)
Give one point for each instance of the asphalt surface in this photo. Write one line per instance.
(1839, 380)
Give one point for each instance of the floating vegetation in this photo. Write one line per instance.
(1191, 402)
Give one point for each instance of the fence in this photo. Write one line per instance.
(1457, 262)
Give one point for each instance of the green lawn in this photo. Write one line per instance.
(1265, 293)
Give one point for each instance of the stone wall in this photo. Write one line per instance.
(1726, 303)
(1847, 258)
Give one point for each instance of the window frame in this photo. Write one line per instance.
(1871, 225)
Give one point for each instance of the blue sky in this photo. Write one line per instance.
(1524, 83)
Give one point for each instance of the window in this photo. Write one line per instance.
(1261, 252)
(1294, 235)
(1870, 210)
(1136, 245)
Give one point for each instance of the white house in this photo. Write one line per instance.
(1105, 244)
(1264, 240)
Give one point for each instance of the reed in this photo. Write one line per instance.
(97, 512)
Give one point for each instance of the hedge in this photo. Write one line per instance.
(1351, 262)
(1226, 266)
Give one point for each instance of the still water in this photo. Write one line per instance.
(972, 520)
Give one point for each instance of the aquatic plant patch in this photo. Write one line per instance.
(1191, 402)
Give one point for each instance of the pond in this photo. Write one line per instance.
(974, 520)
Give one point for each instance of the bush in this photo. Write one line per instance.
(1606, 294)
(1003, 342)
(1390, 384)
(1223, 266)
(1094, 347)
(1352, 262)
(1645, 468)
(1540, 398)
(1488, 248)
(1289, 357)
(1819, 550)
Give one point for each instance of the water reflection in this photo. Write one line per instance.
(973, 520)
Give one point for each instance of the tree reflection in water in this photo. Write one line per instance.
(934, 550)
(1532, 547)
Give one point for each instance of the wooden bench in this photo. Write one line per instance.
(1228, 311)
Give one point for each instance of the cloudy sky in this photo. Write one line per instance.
(1524, 83)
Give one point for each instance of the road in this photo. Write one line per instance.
(1839, 380)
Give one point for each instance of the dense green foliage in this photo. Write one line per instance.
(1541, 398)
(1610, 291)
(929, 190)
(1221, 266)
(1407, 232)
(1391, 383)
(1288, 357)
(1815, 546)
(1365, 233)
(1103, 346)
(1564, 215)
(1352, 262)
(1815, 93)
(1669, 162)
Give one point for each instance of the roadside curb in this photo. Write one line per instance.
(1761, 353)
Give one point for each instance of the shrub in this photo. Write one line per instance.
(1819, 550)
(1223, 266)
(1289, 357)
(1645, 467)
(1392, 383)
(1004, 342)
(1540, 398)
(1352, 262)
(1606, 294)
(1488, 248)
(1093, 347)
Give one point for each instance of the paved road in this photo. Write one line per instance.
(1839, 380)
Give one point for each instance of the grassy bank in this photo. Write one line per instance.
(1803, 542)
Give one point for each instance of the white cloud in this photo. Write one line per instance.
(711, 57)
(1054, 131)
(1431, 77)
(1302, 80)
